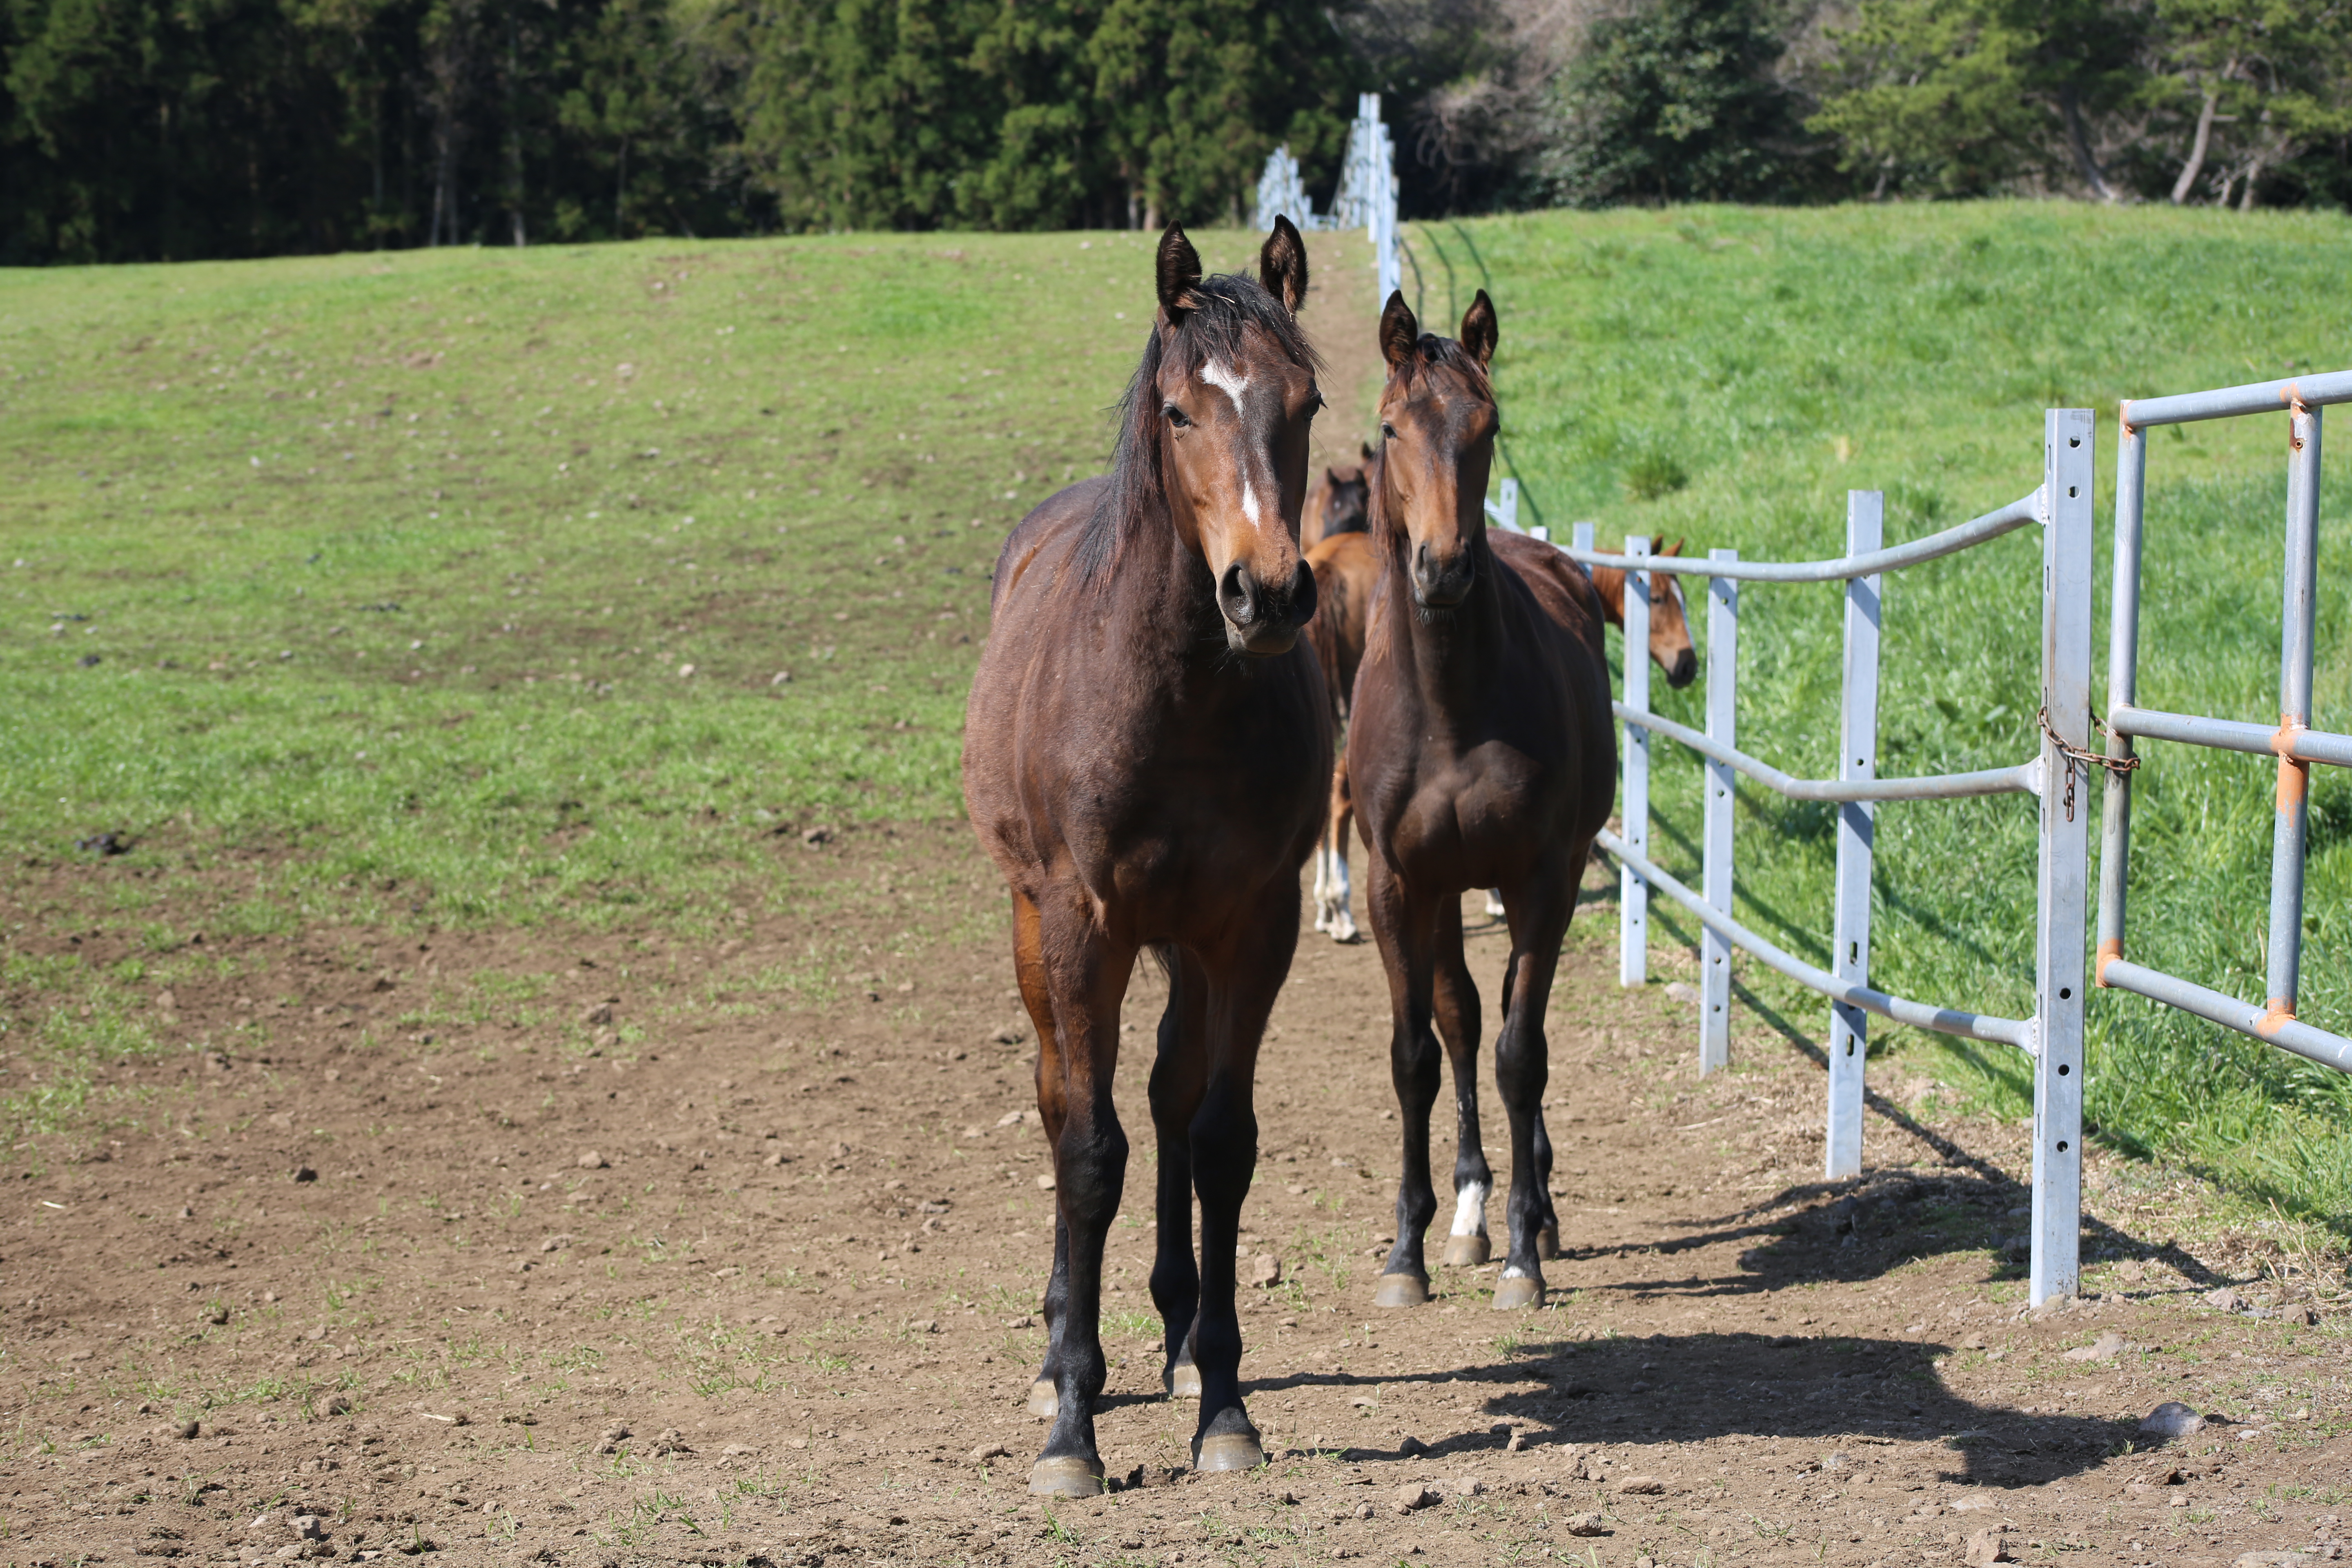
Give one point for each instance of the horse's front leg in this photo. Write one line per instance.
(1540, 911)
(1245, 975)
(1402, 928)
(1457, 1000)
(1085, 977)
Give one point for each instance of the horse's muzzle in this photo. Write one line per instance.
(1442, 584)
(1263, 621)
(1684, 669)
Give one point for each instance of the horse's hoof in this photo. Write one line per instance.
(1044, 1400)
(1066, 1475)
(1400, 1290)
(1516, 1292)
(1343, 929)
(1182, 1381)
(1227, 1451)
(1467, 1251)
(1547, 1243)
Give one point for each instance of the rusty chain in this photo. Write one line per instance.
(2078, 756)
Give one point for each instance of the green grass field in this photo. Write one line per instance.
(362, 589)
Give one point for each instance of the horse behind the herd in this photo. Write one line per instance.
(1147, 749)
(1481, 753)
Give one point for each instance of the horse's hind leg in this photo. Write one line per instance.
(1323, 878)
(1540, 914)
(1177, 1078)
(1457, 1001)
(1343, 811)
(1402, 930)
(1029, 971)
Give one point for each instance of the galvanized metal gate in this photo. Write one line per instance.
(2294, 742)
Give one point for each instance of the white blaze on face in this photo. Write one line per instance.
(1470, 1209)
(1219, 374)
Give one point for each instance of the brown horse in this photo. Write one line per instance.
(1346, 567)
(1340, 503)
(1344, 573)
(1145, 753)
(1482, 754)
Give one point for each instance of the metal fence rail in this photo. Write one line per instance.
(2296, 745)
(2053, 1036)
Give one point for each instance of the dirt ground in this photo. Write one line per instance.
(606, 1252)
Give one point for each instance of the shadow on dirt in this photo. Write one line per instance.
(1852, 1393)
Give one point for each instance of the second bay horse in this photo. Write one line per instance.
(1481, 753)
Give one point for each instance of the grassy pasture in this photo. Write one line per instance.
(390, 565)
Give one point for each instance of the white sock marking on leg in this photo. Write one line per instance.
(1470, 1209)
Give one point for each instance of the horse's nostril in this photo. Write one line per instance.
(1237, 596)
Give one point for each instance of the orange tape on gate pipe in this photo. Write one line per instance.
(2294, 774)
(2110, 950)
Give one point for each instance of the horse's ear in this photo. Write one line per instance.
(1479, 331)
(1282, 263)
(1366, 448)
(1179, 268)
(1399, 333)
(1676, 547)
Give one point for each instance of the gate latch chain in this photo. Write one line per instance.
(2077, 757)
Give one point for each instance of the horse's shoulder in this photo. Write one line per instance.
(1048, 534)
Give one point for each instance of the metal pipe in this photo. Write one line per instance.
(2025, 778)
(2229, 735)
(1857, 830)
(1722, 725)
(1991, 525)
(2287, 1033)
(1634, 908)
(2259, 397)
(2292, 804)
(2123, 690)
(2018, 1032)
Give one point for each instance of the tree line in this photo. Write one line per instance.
(144, 130)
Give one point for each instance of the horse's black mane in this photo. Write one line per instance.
(1225, 307)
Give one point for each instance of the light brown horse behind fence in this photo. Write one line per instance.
(1146, 752)
(1481, 754)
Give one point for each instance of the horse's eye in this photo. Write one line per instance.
(1387, 431)
(1175, 416)
(1317, 405)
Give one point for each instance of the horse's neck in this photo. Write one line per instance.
(1609, 581)
(1168, 611)
(1454, 655)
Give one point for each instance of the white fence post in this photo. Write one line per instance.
(1848, 1044)
(2064, 871)
(1633, 894)
(1722, 721)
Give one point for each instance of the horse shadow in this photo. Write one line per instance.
(1853, 1392)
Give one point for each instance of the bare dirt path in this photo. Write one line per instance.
(614, 1250)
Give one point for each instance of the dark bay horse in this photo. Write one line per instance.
(1146, 752)
(1481, 754)
(1340, 503)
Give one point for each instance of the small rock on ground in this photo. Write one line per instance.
(1987, 1547)
(2172, 1420)
(2106, 1348)
(1413, 1495)
(1641, 1486)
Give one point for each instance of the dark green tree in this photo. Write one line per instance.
(1677, 103)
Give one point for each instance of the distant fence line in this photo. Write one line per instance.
(1366, 199)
